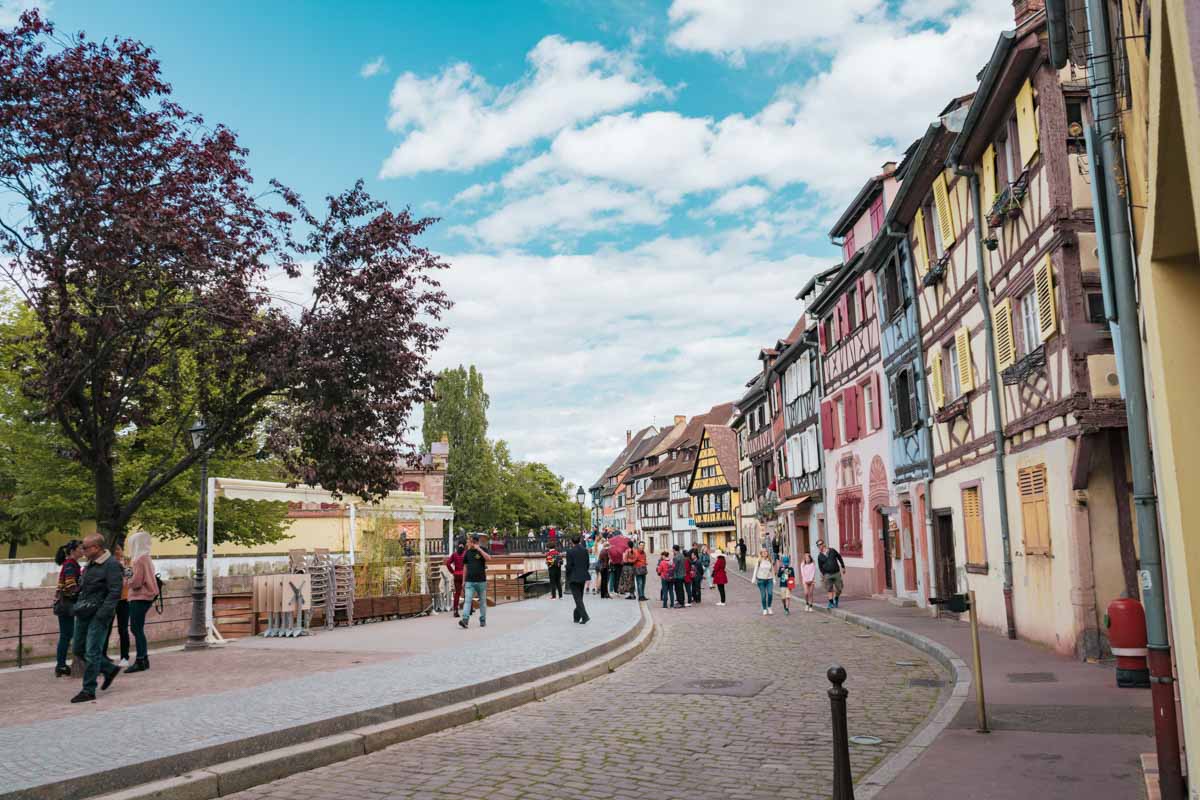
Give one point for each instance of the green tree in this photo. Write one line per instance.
(459, 413)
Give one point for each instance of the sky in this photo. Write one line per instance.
(630, 193)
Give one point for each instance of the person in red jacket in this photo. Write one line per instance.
(456, 564)
(720, 578)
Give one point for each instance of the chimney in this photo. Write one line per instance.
(680, 419)
(889, 167)
(1024, 9)
(628, 438)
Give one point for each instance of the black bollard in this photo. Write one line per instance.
(843, 783)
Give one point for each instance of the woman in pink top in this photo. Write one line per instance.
(808, 574)
(143, 588)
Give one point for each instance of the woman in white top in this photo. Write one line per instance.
(764, 576)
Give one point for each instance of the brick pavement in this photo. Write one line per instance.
(615, 738)
(48, 749)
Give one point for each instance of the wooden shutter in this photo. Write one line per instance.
(937, 385)
(828, 423)
(919, 247)
(913, 399)
(1027, 129)
(973, 526)
(989, 177)
(862, 299)
(1047, 312)
(962, 344)
(877, 411)
(941, 197)
(821, 335)
(850, 412)
(1006, 343)
(1035, 510)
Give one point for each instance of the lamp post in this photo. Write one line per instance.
(579, 498)
(198, 631)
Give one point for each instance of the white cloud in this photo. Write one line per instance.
(372, 68)
(457, 121)
(738, 200)
(11, 10)
(474, 192)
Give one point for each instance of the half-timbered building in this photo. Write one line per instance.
(752, 430)
(1063, 546)
(714, 487)
(800, 482)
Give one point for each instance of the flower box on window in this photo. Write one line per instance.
(1033, 363)
(954, 409)
(937, 271)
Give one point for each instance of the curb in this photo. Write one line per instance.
(887, 770)
(228, 768)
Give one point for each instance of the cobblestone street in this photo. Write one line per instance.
(616, 738)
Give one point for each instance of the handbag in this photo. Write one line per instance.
(640, 570)
(86, 608)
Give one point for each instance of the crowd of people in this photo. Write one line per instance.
(114, 588)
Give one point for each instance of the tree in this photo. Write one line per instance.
(458, 411)
(133, 232)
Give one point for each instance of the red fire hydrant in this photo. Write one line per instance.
(1126, 623)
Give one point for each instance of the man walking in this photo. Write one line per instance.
(831, 565)
(741, 554)
(475, 560)
(680, 572)
(578, 572)
(99, 591)
(455, 564)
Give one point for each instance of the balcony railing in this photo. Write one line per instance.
(710, 519)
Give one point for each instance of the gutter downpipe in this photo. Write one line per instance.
(1124, 290)
(994, 391)
(930, 583)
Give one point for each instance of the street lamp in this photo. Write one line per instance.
(198, 632)
(579, 498)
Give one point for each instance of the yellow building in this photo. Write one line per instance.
(714, 488)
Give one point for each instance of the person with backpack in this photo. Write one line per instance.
(143, 589)
(69, 571)
(787, 582)
(554, 569)
(697, 575)
(679, 574)
(666, 575)
(99, 593)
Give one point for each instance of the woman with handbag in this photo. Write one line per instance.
(143, 588)
(67, 558)
(625, 582)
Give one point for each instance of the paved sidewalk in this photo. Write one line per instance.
(191, 701)
(1060, 727)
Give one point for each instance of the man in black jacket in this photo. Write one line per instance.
(831, 565)
(578, 572)
(99, 591)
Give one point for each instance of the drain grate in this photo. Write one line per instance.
(865, 740)
(926, 682)
(1032, 677)
(712, 686)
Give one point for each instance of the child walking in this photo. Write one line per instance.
(787, 582)
(808, 574)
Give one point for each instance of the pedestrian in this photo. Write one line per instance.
(706, 562)
(65, 594)
(831, 565)
(475, 580)
(639, 571)
(554, 569)
(697, 574)
(775, 544)
(741, 554)
(577, 576)
(605, 569)
(626, 584)
(787, 582)
(617, 545)
(808, 574)
(764, 576)
(666, 574)
(720, 577)
(143, 588)
(456, 564)
(679, 573)
(95, 606)
(121, 617)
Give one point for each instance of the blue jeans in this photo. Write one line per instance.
(475, 589)
(66, 632)
(614, 578)
(640, 582)
(766, 592)
(137, 623)
(91, 640)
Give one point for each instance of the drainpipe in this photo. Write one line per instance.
(923, 376)
(1115, 213)
(994, 381)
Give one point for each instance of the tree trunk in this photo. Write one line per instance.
(107, 506)
(12, 549)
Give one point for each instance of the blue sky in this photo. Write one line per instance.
(631, 192)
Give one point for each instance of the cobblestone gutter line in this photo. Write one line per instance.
(215, 771)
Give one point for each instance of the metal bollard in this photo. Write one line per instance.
(843, 783)
(20, 638)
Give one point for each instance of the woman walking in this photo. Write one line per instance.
(706, 562)
(605, 568)
(67, 558)
(625, 582)
(720, 578)
(143, 588)
(808, 575)
(764, 576)
(121, 617)
(639, 571)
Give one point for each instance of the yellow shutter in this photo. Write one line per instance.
(989, 177)
(1006, 346)
(973, 526)
(941, 197)
(1027, 129)
(1047, 311)
(920, 248)
(962, 343)
(935, 376)
(1035, 510)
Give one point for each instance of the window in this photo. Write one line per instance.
(973, 527)
(893, 300)
(1035, 509)
(806, 364)
(852, 312)
(903, 405)
(850, 524)
(841, 413)
(1075, 123)
(950, 381)
(1029, 322)
(877, 215)
(848, 246)
(869, 399)
(934, 231)
(1095, 308)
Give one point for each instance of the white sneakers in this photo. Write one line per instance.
(720, 604)
(123, 663)
(770, 611)
(764, 612)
